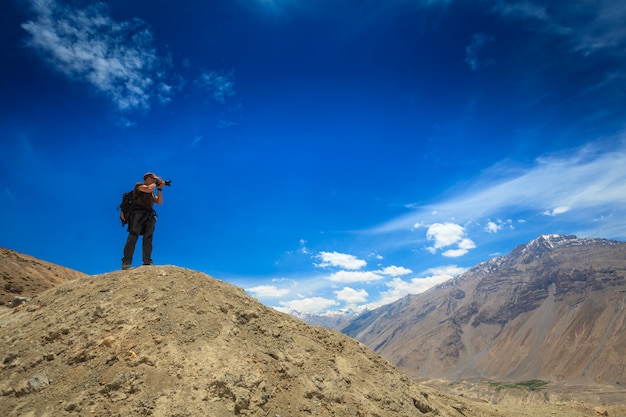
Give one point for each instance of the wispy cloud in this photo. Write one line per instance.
(590, 27)
(479, 40)
(589, 179)
(196, 141)
(524, 9)
(556, 211)
(219, 84)
(117, 59)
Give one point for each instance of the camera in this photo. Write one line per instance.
(165, 182)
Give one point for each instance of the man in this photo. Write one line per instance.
(143, 218)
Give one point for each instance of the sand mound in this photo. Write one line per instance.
(167, 341)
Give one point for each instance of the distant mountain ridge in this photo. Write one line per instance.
(552, 309)
(523, 254)
(335, 319)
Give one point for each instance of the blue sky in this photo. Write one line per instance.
(324, 154)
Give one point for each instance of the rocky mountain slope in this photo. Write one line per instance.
(554, 309)
(167, 341)
(24, 276)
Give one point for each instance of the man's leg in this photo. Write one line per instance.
(147, 241)
(129, 250)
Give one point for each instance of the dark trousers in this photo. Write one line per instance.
(136, 228)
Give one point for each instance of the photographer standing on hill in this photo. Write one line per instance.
(143, 218)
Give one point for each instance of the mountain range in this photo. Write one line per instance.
(553, 309)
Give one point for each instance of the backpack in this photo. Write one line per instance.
(126, 206)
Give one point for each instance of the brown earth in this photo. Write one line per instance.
(166, 341)
(24, 276)
(558, 400)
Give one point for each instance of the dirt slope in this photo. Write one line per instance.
(167, 341)
(24, 276)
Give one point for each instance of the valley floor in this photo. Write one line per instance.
(550, 400)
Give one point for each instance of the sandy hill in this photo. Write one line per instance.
(167, 341)
(24, 276)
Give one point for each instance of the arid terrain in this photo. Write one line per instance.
(22, 275)
(168, 341)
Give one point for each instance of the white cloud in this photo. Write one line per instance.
(116, 58)
(395, 271)
(351, 296)
(556, 211)
(303, 248)
(448, 234)
(268, 291)
(445, 234)
(354, 276)
(444, 272)
(307, 305)
(341, 260)
(464, 246)
(418, 225)
(399, 288)
(493, 227)
(496, 226)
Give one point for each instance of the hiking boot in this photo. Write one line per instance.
(148, 264)
(125, 266)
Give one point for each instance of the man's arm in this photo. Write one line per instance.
(149, 188)
(158, 199)
(145, 188)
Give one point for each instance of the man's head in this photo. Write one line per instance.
(149, 178)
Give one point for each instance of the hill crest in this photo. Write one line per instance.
(167, 341)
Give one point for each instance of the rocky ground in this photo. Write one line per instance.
(23, 276)
(167, 341)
